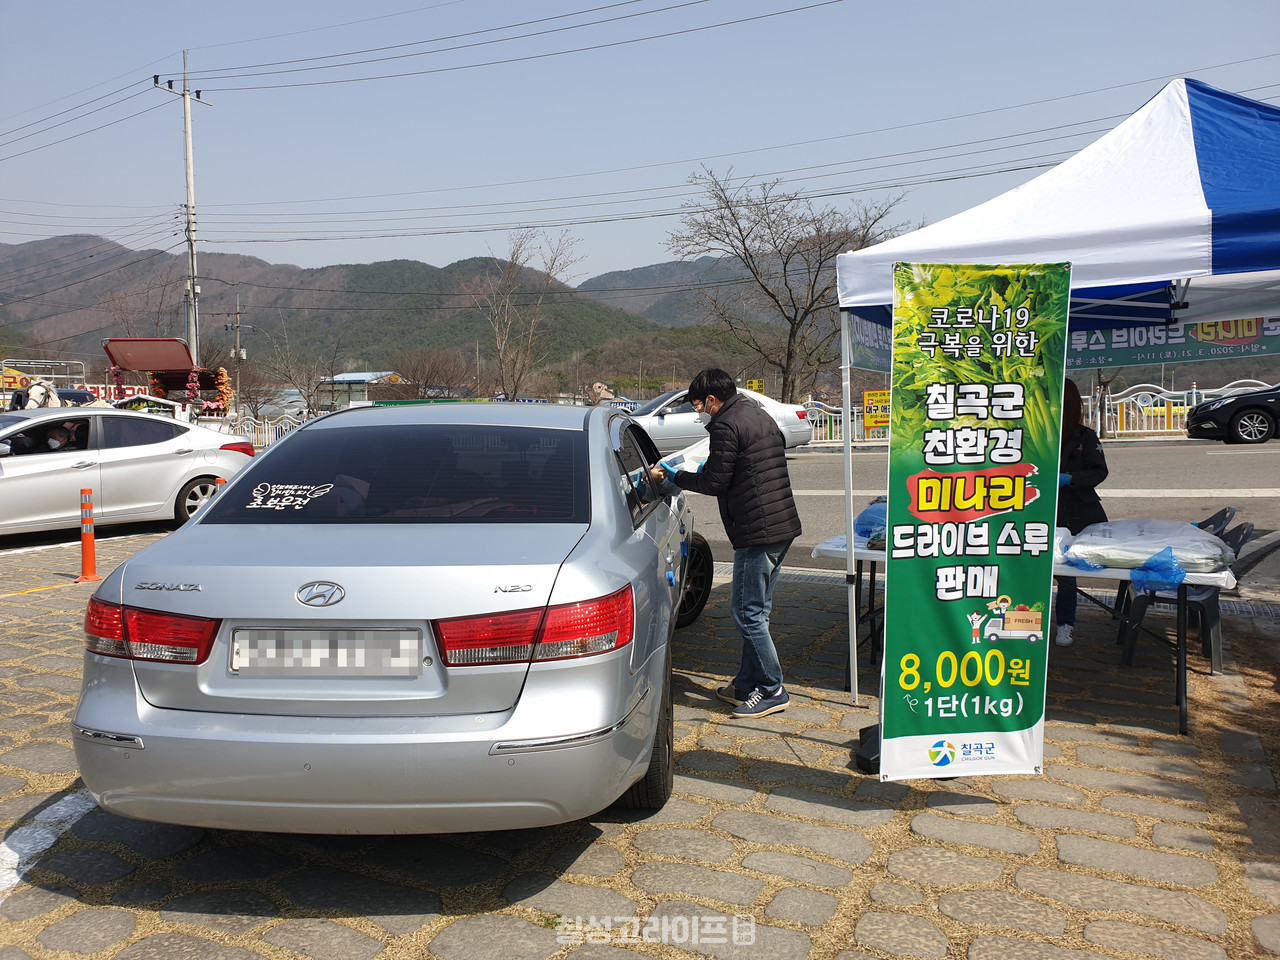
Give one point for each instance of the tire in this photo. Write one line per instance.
(1253, 426)
(191, 497)
(699, 571)
(653, 790)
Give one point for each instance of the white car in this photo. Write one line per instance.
(140, 467)
(672, 423)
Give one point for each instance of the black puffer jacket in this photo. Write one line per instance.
(747, 472)
(1078, 503)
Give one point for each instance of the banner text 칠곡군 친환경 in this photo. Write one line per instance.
(978, 356)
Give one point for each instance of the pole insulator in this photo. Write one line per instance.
(88, 561)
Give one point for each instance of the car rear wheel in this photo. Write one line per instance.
(698, 574)
(653, 790)
(1252, 426)
(191, 497)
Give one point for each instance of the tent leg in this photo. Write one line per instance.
(846, 433)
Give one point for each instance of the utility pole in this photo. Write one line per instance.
(192, 296)
(238, 353)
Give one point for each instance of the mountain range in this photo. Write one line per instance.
(62, 296)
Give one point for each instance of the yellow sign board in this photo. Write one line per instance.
(756, 385)
(875, 408)
(12, 379)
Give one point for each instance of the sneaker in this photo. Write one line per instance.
(761, 705)
(729, 694)
(1064, 637)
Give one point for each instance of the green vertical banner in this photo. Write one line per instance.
(975, 407)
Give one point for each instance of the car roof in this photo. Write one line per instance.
(556, 416)
(66, 413)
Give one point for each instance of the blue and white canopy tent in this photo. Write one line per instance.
(1174, 215)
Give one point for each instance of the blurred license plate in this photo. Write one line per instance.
(326, 653)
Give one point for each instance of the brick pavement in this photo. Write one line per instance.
(1136, 842)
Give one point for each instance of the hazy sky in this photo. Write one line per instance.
(356, 132)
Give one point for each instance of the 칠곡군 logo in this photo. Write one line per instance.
(942, 753)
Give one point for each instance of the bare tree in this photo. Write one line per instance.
(146, 309)
(786, 310)
(430, 373)
(259, 389)
(513, 296)
(306, 374)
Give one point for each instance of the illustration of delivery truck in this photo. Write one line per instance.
(1009, 622)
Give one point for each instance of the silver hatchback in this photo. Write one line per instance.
(418, 619)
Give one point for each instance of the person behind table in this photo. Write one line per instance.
(1082, 467)
(746, 471)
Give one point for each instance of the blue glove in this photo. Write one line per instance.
(702, 466)
(1064, 479)
(667, 467)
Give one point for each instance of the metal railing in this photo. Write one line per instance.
(1146, 410)
(828, 425)
(263, 433)
(1141, 411)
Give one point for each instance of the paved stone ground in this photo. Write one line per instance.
(1136, 843)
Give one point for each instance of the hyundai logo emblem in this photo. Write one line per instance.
(320, 593)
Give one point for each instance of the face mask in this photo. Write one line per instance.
(54, 444)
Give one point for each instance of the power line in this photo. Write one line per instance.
(530, 57)
(233, 73)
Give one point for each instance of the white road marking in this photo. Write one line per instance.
(28, 841)
(1175, 493)
(1155, 493)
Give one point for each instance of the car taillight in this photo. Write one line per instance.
(501, 638)
(136, 634)
(104, 629)
(585, 629)
(240, 446)
(802, 414)
(556, 633)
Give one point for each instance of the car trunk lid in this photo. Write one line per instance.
(338, 620)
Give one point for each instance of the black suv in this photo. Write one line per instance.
(1240, 418)
(70, 397)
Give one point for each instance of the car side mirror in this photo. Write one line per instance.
(5, 450)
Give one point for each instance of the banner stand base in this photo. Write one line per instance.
(867, 756)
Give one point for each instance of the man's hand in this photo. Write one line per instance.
(657, 474)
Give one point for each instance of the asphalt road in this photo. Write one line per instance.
(1167, 479)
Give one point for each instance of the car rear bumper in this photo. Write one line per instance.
(346, 775)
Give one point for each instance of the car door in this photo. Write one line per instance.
(676, 425)
(658, 529)
(145, 460)
(39, 487)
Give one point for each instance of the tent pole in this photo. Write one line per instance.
(846, 433)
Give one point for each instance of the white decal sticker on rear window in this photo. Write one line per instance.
(280, 496)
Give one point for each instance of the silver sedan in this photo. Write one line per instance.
(420, 619)
(139, 466)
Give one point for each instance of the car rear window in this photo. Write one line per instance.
(414, 473)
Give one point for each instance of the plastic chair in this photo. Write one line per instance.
(1201, 599)
(1216, 524)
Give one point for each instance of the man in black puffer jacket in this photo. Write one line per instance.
(746, 471)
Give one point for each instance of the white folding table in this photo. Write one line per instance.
(836, 548)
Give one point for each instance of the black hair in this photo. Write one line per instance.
(712, 382)
(1072, 409)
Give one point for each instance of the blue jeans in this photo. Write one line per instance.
(755, 574)
(1065, 607)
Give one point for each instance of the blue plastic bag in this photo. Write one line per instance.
(1160, 572)
(872, 521)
